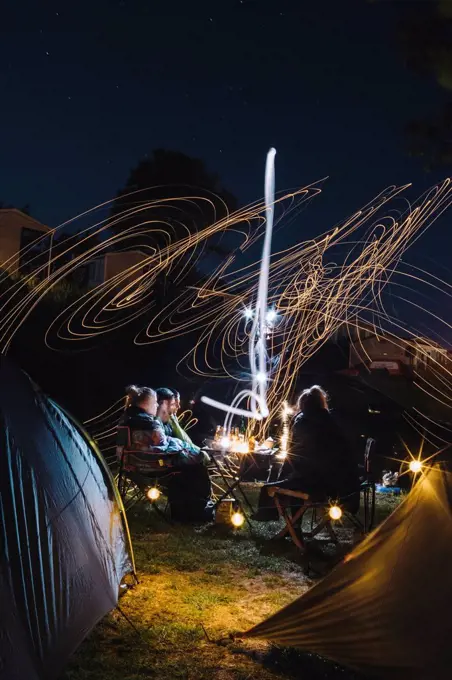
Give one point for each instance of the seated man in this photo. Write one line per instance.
(168, 405)
(189, 491)
(178, 430)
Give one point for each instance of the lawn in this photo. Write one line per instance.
(197, 585)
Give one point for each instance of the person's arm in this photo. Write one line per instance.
(162, 442)
(181, 434)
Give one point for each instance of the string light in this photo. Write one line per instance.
(415, 466)
(335, 512)
(153, 493)
(237, 519)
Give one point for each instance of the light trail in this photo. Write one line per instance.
(257, 340)
(339, 278)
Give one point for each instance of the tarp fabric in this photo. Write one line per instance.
(385, 610)
(64, 546)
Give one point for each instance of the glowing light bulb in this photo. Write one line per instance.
(225, 442)
(237, 519)
(270, 316)
(261, 377)
(248, 313)
(415, 466)
(242, 447)
(335, 512)
(153, 494)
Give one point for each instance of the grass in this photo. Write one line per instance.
(197, 585)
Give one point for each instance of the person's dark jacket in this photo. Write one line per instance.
(320, 455)
(137, 418)
(148, 434)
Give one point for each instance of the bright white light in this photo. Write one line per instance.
(335, 512)
(287, 411)
(257, 340)
(282, 455)
(248, 313)
(271, 315)
(240, 447)
(415, 466)
(237, 519)
(225, 442)
(153, 494)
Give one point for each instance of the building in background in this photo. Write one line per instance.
(379, 351)
(21, 241)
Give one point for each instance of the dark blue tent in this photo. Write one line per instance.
(64, 541)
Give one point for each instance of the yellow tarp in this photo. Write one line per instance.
(387, 610)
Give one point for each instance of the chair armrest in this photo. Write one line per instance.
(273, 490)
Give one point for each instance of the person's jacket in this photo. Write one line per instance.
(148, 435)
(178, 431)
(319, 453)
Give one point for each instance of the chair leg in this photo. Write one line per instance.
(289, 527)
(325, 523)
(332, 533)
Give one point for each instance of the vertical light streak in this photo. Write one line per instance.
(257, 340)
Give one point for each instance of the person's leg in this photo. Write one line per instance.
(190, 493)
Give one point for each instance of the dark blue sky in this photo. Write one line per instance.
(90, 87)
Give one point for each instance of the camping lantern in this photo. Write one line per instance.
(153, 494)
(335, 512)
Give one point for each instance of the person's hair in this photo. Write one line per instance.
(136, 395)
(313, 399)
(164, 394)
(176, 393)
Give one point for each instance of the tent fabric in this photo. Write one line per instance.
(64, 543)
(385, 610)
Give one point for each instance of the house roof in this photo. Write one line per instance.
(29, 221)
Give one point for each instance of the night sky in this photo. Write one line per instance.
(88, 88)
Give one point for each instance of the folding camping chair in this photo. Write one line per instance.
(141, 471)
(294, 519)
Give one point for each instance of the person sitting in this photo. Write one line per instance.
(177, 429)
(146, 431)
(168, 405)
(189, 491)
(320, 463)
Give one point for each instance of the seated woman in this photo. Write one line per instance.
(320, 462)
(189, 491)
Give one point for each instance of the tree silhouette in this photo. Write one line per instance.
(164, 176)
(173, 175)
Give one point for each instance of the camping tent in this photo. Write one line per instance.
(64, 542)
(385, 610)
